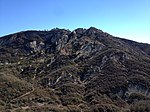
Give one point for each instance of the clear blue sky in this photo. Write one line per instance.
(124, 18)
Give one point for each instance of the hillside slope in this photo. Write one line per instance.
(86, 70)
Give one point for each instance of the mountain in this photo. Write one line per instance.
(85, 70)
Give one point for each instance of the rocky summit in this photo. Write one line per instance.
(85, 70)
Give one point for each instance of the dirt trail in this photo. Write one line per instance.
(25, 94)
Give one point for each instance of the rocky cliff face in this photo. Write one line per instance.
(83, 70)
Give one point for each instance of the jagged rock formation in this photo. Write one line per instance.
(86, 70)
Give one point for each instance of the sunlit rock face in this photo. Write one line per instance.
(84, 70)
